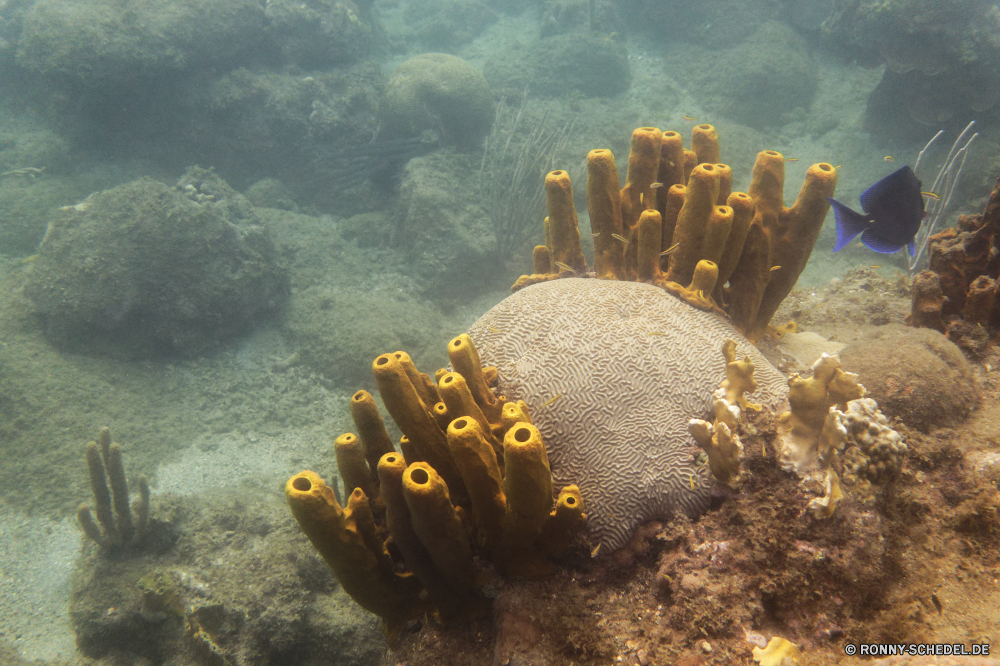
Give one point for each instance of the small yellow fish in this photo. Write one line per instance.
(595, 235)
(495, 330)
(932, 195)
(552, 400)
(656, 186)
(875, 266)
(640, 197)
(775, 268)
(693, 485)
(619, 237)
(888, 158)
(565, 267)
(595, 551)
(838, 166)
(669, 250)
(763, 449)
(689, 118)
(791, 159)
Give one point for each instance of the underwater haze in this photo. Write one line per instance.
(221, 221)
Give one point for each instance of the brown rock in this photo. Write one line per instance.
(916, 375)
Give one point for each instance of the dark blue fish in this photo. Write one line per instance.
(894, 209)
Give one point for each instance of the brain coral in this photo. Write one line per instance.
(612, 373)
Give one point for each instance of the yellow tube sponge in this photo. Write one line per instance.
(477, 462)
(398, 521)
(465, 359)
(605, 207)
(749, 279)
(793, 233)
(425, 386)
(705, 143)
(671, 167)
(725, 183)
(564, 227)
(366, 574)
(743, 210)
(513, 413)
(699, 199)
(643, 169)
(565, 521)
(460, 402)
(720, 221)
(648, 246)
(437, 523)
(528, 488)
(671, 209)
(417, 423)
(374, 437)
(352, 466)
(699, 292)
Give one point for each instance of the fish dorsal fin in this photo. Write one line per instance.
(899, 182)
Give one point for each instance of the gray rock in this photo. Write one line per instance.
(145, 270)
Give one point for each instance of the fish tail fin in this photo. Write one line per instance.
(849, 223)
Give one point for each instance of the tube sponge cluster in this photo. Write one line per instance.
(677, 223)
(471, 478)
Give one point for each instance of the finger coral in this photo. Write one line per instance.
(115, 526)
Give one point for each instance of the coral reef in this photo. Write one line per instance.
(453, 491)
(958, 293)
(111, 498)
(145, 270)
(436, 92)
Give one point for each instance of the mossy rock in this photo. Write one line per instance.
(145, 270)
(588, 65)
(102, 43)
(760, 80)
(322, 33)
(446, 24)
(440, 93)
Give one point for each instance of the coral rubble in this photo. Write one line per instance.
(453, 492)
